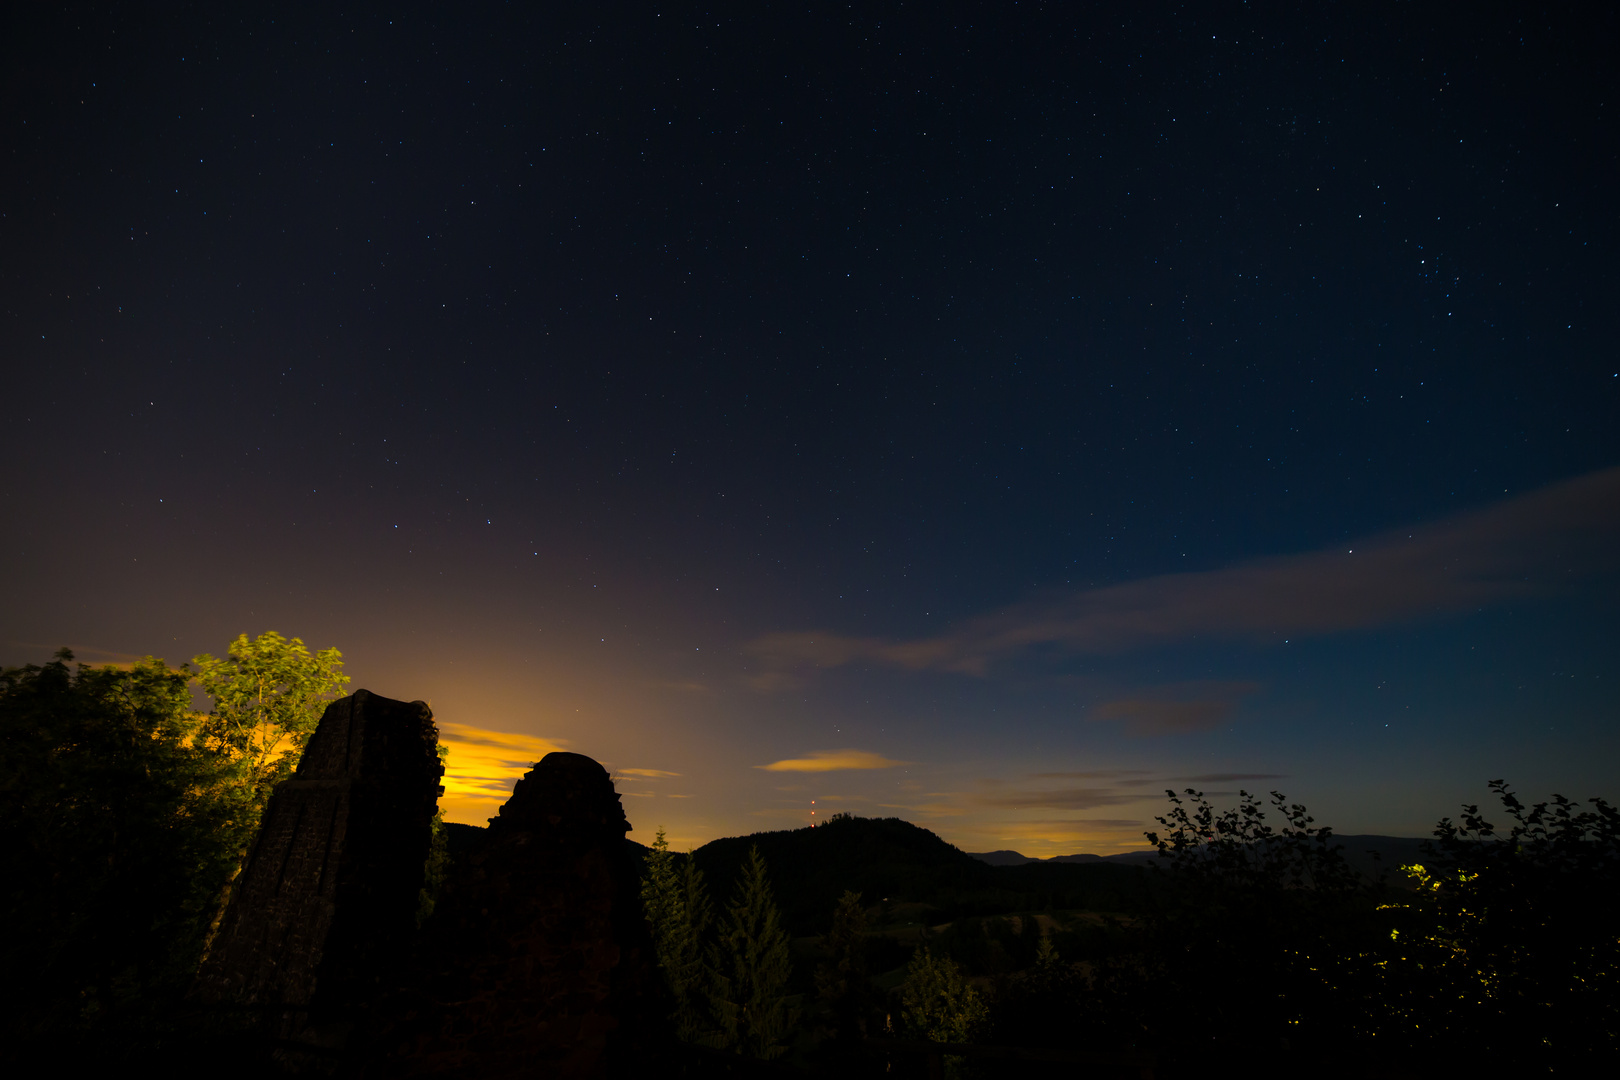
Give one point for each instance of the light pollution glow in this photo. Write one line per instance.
(483, 765)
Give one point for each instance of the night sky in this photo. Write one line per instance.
(987, 415)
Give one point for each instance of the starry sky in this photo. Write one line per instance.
(989, 415)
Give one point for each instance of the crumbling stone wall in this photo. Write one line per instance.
(538, 960)
(326, 900)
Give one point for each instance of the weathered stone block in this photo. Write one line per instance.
(326, 900)
(538, 960)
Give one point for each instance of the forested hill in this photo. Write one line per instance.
(914, 873)
(891, 861)
(880, 858)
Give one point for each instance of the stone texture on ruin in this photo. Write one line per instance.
(326, 900)
(538, 960)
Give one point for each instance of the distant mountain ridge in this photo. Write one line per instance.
(1369, 853)
(893, 862)
(1014, 858)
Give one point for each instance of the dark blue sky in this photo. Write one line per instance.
(710, 386)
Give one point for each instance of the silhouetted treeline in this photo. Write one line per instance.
(888, 860)
(129, 814)
(1254, 939)
(124, 832)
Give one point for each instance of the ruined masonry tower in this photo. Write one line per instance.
(326, 901)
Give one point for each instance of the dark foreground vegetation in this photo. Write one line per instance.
(1253, 942)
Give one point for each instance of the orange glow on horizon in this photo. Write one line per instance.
(482, 768)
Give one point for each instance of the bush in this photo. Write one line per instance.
(1512, 946)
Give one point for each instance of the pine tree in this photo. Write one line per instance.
(842, 982)
(677, 906)
(660, 898)
(697, 1019)
(1046, 956)
(756, 1015)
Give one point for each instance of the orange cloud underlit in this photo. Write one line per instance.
(482, 767)
(831, 760)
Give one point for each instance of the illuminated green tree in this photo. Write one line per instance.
(1511, 945)
(437, 867)
(269, 693)
(938, 1003)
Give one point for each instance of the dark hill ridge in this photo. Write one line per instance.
(1369, 853)
(890, 862)
(887, 859)
(1014, 858)
(880, 858)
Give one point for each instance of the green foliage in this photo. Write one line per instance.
(1507, 954)
(755, 946)
(1511, 944)
(1274, 915)
(843, 983)
(700, 978)
(125, 827)
(269, 693)
(937, 1003)
(434, 871)
(661, 900)
(677, 905)
(1046, 959)
(730, 989)
(1047, 1004)
(437, 866)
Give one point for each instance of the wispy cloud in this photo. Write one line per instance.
(482, 768)
(1536, 544)
(1176, 708)
(1064, 799)
(650, 774)
(832, 760)
(1147, 717)
(1228, 777)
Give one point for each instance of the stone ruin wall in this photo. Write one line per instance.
(327, 896)
(537, 960)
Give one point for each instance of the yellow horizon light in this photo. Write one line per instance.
(483, 767)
